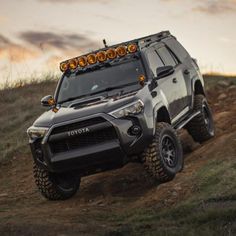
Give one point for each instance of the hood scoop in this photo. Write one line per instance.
(88, 102)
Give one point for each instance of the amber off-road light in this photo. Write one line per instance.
(91, 58)
(111, 53)
(55, 109)
(132, 48)
(121, 51)
(141, 79)
(73, 63)
(82, 61)
(101, 56)
(51, 102)
(64, 66)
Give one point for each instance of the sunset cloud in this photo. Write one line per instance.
(15, 52)
(217, 7)
(58, 41)
(211, 7)
(4, 41)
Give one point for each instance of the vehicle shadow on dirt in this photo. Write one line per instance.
(131, 181)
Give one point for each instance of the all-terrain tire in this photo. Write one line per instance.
(201, 127)
(155, 159)
(51, 188)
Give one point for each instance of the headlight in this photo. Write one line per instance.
(36, 132)
(134, 108)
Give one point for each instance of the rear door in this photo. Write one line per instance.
(190, 69)
(177, 85)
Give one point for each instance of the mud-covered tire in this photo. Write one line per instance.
(54, 186)
(154, 158)
(201, 127)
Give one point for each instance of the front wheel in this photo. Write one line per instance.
(163, 158)
(55, 186)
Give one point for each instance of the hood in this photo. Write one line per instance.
(49, 118)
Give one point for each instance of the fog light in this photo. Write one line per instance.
(135, 130)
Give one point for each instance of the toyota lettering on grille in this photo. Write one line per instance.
(78, 132)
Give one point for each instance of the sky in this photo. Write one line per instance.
(35, 35)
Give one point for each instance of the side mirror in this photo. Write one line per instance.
(164, 71)
(48, 101)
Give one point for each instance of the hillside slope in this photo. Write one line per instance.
(200, 201)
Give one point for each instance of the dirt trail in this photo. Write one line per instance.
(24, 212)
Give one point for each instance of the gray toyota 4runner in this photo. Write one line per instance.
(116, 105)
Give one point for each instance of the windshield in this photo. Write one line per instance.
(104, 79)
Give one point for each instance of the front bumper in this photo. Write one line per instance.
(95, 151)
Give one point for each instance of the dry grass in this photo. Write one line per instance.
(19, 107)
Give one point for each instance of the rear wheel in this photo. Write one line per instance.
(164, 157)
(55, 186)
(201, 127)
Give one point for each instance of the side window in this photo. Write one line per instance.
(154, 61)
(166, 57)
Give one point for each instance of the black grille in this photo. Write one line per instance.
(85, 140)
(78, 125)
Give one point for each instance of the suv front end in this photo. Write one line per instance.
(93, 143)
(99, 120)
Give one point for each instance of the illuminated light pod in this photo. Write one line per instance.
(101, 56)
(51, 102)
(82, 61)
(111, 53)
(141, 79)
(73, 63)
(91, 58)
(132, 48)
(55, 109)
(121, 51)
(64, 66)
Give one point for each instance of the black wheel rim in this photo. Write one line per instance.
(168, 151)
(207, 118)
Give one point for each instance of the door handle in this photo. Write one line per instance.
(174, 80)
(186, 72)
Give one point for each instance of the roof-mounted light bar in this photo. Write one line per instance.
(99, 57)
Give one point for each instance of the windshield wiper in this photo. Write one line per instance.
(113, 88)
(72, 98)
(100, 91)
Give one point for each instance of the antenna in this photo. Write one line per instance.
(105, 43)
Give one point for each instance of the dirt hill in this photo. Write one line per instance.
(201, 200)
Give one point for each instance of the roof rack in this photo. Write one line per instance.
(147, 39)
(153, 38)
(141, 42)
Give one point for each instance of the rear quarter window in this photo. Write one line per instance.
(177, 49)
(166, 56)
